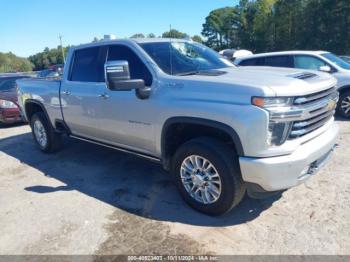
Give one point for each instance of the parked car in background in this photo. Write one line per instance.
(220, 130)
(52, 72)
(9, 110)
(346, 58)
(314, 60)
(233, 54)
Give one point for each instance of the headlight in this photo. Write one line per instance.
(267, 102)
(279, 128)
(7, 104)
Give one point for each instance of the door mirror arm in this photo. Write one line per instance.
(143, 93)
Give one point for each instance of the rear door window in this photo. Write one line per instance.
(249, 62)
(88, 65)
(279, 61)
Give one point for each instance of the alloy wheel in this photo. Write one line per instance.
(345, 105)
(40, 133)
(201, 179)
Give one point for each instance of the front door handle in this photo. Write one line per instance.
(66, 92)
(104, 96)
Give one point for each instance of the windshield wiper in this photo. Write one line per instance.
(210, 72)
(189, 73)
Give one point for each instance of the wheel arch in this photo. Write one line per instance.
(344, 93)
(206, 124)
(32, 106)
(343, 89)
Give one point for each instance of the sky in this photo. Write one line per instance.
(27, 27)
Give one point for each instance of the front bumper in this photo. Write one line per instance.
(10, 115)
(282, 172)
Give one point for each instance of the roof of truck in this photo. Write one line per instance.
(133, 40)
(157, 40)
(295, 52)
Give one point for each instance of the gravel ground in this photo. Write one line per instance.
(92, 200)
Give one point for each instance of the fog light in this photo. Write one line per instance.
(304, 173)
(278, 133)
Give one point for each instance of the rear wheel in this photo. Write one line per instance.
(44, 135)
(207, 175)
(344, 105)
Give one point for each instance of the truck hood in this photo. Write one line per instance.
(272, 80)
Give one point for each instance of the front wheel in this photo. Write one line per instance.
(207, 175)
(344, 105)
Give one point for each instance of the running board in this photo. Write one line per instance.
(117, 148)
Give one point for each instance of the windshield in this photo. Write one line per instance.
(337, 60)
(180, 58)
(7, 84)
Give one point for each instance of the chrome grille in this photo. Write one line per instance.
(318, 110)
(313, 97)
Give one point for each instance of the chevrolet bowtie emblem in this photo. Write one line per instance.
(331, 105)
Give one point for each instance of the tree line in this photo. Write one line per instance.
(172, 33)
(42, 60)
(12, 63)
(257, 25)
(53, 56)
(274, 25)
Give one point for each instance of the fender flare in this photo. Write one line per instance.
(343, 88)
(202, 121)
(38, 103)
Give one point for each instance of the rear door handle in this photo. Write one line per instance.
(104, 96)
(66, 92)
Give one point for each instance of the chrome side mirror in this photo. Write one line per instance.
(326, 69)
(117, 77)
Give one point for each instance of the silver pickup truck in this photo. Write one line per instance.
(221, 130)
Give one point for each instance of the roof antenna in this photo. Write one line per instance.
(171, 52)
(64, 59)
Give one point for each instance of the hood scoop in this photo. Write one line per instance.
(303, 75)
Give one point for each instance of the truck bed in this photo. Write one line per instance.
(45, 91)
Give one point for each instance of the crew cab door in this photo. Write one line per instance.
(82, 105)
(93, 111)
(128, 121)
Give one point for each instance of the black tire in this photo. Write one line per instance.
(344, 98)
(225, 162)
(54, 139)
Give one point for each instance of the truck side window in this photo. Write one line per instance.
(137, 68)
(249, 62)
(308, 62)
(279, 61)
(88, 65)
